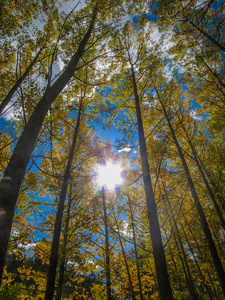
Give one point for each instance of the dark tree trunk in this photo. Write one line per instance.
(176, 269)
(193, 237)
(63, 258)
(14, 174)
(135, 250)
(193, 294)
(49, 292)
(127, 267)
(217, 44)
(107, 259)
(210, 192)
(211, 244)
(158, 250)
(197, 264)
(12, 91)
(125, 259)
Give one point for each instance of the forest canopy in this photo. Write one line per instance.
(136, 86)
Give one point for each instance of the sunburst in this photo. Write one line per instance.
(109, 175)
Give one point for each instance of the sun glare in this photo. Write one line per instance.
(109, 175)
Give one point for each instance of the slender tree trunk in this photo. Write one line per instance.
(221, 83)
(180, 247)
(210, 192)
(63, 258)
(211, 244)
(176, 269)
(14, 174)
(197, 264)
(12, 91)
(127, 268)
(217, 44)
(125, 260)
(193, 237)
(158, 250)
(49, 292)
(207, 175)
(135, 250)
(107, 259)
(220, 198)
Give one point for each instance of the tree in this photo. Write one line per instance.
(157, 79)
(107, 259)
(57, 229)
(125, 53)
(16, 168)
(211, 244)
(135, 249)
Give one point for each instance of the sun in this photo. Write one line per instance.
(109, 175)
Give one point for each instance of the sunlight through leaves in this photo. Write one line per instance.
(109, 175)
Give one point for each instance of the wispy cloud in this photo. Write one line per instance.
(9, 112)
(126, 232)
(194, 115)
(27, 246)
(125, 149)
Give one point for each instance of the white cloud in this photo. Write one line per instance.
(200, 2)
(194, 115)
(15, 233)
(72, 263)
(125, 19)
(102, 65)
(67, 6)
(9, 113)
(28, 246)
(151, 102)
(159, 37)
(90, 262)
(125, 149)
(61, 64)
(125, 230)
(156, 35)
(169, 72)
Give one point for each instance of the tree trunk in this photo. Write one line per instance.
(135, 250)
(193, 294)
(14, 174)
(63, 258)
(107, 259)
(198, 247)
(12, 91)
(197, 264)
(210, 192)
(211, 244)
(158, 250)
(217, 44)
(125, 260)
(176, 269)
(49, 292)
